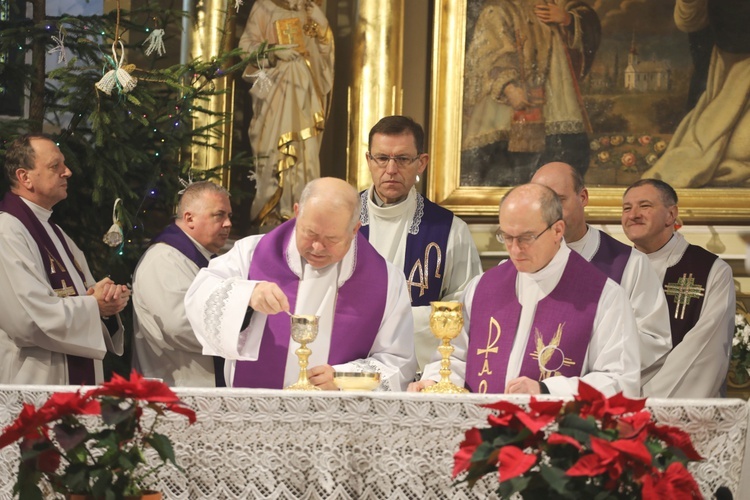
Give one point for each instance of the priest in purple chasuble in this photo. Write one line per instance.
(56, 321)
(319, 264)
(545, 318)
(699, 289)
(433, 247)
(164, 344)
(627, 266)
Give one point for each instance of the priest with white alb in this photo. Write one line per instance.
(314, 264)
(544, 319)
(433, 247)
(56, 322)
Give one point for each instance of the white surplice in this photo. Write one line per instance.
(643, 288)
(164, 345)
(37, 327)
(218, 299)
(611, 365)
(697, 366)
(389, 229)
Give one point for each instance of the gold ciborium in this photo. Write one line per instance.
(304, 331)
(446, 320)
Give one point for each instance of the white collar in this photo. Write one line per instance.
(41, 213)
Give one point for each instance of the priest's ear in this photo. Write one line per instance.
(22, 179)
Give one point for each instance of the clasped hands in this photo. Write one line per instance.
(110, 297)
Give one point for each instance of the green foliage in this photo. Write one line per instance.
(133, 146)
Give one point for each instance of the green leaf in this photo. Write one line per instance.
(163, 446)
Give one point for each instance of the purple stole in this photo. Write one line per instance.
(426, 248)
(611, 257)
(80, 370)
(693, 269)
(358, 312)
(175, 237)
(560, 332)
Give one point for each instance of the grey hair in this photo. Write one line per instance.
(193, 194)
(20, 154)
(347, 199)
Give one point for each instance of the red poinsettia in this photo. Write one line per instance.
(591, 445)
(59, 445)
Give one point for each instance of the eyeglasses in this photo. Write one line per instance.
(401, 161)
(524, 240)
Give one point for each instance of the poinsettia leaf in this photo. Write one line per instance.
(676, 437)
(604, 450)
(517, 484)
(462, 458)
(580, 429)
(68, 437)
(619, 404)
(588, 465)
(634, 449)
(163, 446)
(483, 452)
(545, 407)
(556, 479)
(513, 462)
(113, 413)
(535, 423)
(503, 406)
(557, 438)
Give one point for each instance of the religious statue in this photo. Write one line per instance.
(290, 99)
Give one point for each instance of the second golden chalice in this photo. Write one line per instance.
(304, 331)
(446, 321)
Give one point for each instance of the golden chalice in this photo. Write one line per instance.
(446, 321)
(304, 331)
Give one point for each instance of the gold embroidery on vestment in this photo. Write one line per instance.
(684, 290)
(423, 283)
(543, 353)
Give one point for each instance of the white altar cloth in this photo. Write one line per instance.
(250, 443)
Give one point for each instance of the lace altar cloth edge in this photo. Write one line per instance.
(253, 443)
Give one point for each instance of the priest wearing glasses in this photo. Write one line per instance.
(433, 247)
(544, 319)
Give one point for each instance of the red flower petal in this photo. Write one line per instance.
(634, 449)
(545, 407)
(534, 423)
(557, 438)
(504, 406)
(462, 458)
(182, 410)
(513, 462)
(588, 465)
(676, 437)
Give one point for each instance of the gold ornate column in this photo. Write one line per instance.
(376, 84)
(206, 39)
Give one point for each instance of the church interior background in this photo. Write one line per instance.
(384, 65)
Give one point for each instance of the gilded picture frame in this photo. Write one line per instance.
(444, 184)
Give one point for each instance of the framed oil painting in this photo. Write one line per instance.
(620, 89)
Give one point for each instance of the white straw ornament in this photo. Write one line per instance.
(237, 4)
(114, 236)
(156, 42)
(59, 46)
(117, 77)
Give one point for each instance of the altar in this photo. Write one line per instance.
(251, 443)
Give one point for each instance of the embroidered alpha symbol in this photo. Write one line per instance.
(424, 271)
(550, 355)
(683, 291)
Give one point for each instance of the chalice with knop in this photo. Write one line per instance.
(446, 321)
(304, 331)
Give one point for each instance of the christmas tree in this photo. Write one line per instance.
(126, 131)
